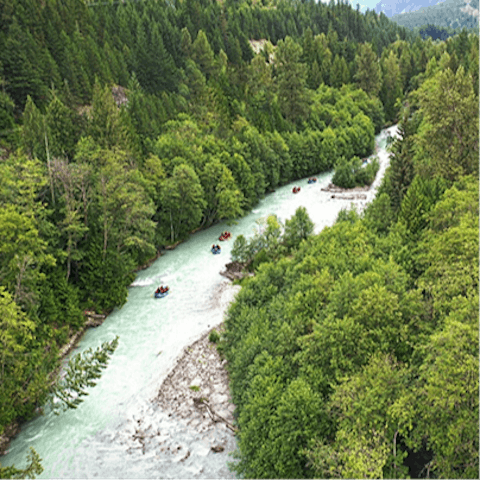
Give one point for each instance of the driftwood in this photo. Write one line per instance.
(358, 196)
(335, 189)
(203, 402)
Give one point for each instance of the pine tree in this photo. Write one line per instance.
(291, 81)
(368, 74)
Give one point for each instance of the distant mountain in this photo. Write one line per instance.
(393, 7)
(454, 14)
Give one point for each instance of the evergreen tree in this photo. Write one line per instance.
(448, 135)
(291, 81)
(339, 74)
(203, 55)
(368, 73)
(181, 203)
(391, 91)
(33, 131)
(62, 125)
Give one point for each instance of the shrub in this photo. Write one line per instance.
(214, 336)
(351, 173)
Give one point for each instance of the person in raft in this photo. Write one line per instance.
(161, 289)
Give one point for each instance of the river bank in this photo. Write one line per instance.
(196, 391)
(123, 429)
(92, 320)
(197, 388)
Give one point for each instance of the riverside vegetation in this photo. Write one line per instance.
(124, 126)
(356, 354)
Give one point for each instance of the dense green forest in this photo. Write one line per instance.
(355, 355)
(124, 126)
(450, 14)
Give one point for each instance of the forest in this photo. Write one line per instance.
(124, 126)
(355, 354)
(449, 14)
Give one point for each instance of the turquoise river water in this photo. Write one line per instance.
(97, 439)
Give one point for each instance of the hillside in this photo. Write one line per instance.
(396, 7)
(455, 14)
(126, 125)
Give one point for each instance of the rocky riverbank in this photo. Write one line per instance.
(235, 271)
(188, 427)
(339, 193)
(197, 388)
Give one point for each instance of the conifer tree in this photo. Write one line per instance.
(291, 81)
(203, 55)
(448, 135)
(368, 74)
(33, 133)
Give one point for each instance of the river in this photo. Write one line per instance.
(97, 439)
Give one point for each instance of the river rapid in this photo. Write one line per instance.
(100, 439)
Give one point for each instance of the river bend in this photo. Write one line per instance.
(97, 439)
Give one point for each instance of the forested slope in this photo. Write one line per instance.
(126, 125)
(454, 14)
(356, 356)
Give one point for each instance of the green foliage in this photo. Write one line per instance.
(104, 277)
(448, 251)
(7, 120)
(82, 371)
(448, 134)
(241, 249)
(372, 345)
(105, 174)
(441, 405)
(297, 228)
(292, 76)
(351, 173)
(368, 73)
(214, 336)
(378, 215)
(418, 201)
(362, 403)
(400, 173)
(107, 124)
(391, 92)
(21, 249)
(33, 131)
(223, 198)
(59, 302)
(63, 130)
(17, 333)
(344, 175)
(181, 203)
(271, 238)
(33, 468)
